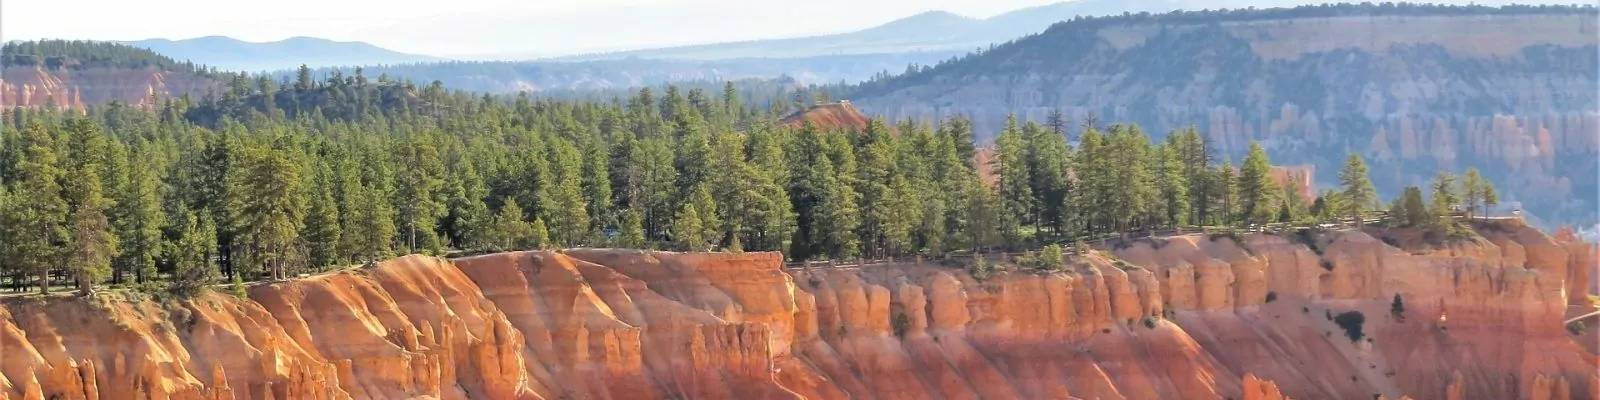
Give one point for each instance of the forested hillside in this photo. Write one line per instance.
(267, 181)
(585, 76)
(77, 73)
(80, 54)
(1412, 88)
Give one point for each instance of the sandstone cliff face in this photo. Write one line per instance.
(1509, 94)
(37, 87)
(1186, 318)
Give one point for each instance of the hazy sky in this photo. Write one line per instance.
(465, 28)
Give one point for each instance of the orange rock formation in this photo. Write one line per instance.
(839, 115)
(1180, 318)
(74, 89)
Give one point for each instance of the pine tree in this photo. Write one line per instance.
(1016, 193)
(1256, 187)
(597, 187)
(1409, 209)
(730, 102)
(1472, 184)
(1357, 193)
(368, 228)
(138, 218)
(1195, 157)
(1294, 204)
(1131, 185)
(192, 265)
(1490, 198)
(630, 234)
(654, 184)
(468, 216)
(303, 80)
(36, 236)
(538, 235)
(322, 223)
(1096, 181)
(1173, 184)
(563, 202)
(958, 130)
(687, 230)
(1224, 192)
(826, 207)
(734, 184)
(1445, 197)
(1047, 167)
(877, 175)
(510, 232)
(420, 196)
(268, 210)
(91, 244)
(1325, 207)
(706, 206)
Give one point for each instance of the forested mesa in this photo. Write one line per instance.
(263, 181)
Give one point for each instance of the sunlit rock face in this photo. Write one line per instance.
(1188, 317)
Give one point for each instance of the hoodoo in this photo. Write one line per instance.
(1346, 315)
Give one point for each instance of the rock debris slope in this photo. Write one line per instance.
(1189, 317)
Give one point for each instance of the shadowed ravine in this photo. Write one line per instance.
(1188, 319)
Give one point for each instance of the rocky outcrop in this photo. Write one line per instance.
(837, 115)
(1188, 317)
(36, 86)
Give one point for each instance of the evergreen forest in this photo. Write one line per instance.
(267, 180)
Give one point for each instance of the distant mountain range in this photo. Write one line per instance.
(232, 54)
(938, 31)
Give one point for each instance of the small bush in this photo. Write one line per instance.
(1392, 242)
(237, 287)
(1327, 265)
(1149, 322)
(1229, 233)
(1272, 296)
(1397, 308)
(1049, 259)
(1577, 328)
(979, 269)
(1328, 314)
(1305, 310)
(902, 324)
(184, 316)
(1352, 322)
(1308, 237)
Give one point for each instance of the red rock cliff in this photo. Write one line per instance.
(1186, 318)
(38, 87)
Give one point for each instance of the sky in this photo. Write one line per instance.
(471, 28)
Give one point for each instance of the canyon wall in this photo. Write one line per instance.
(36, 86)
(1508, 93)
(1188, 317)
